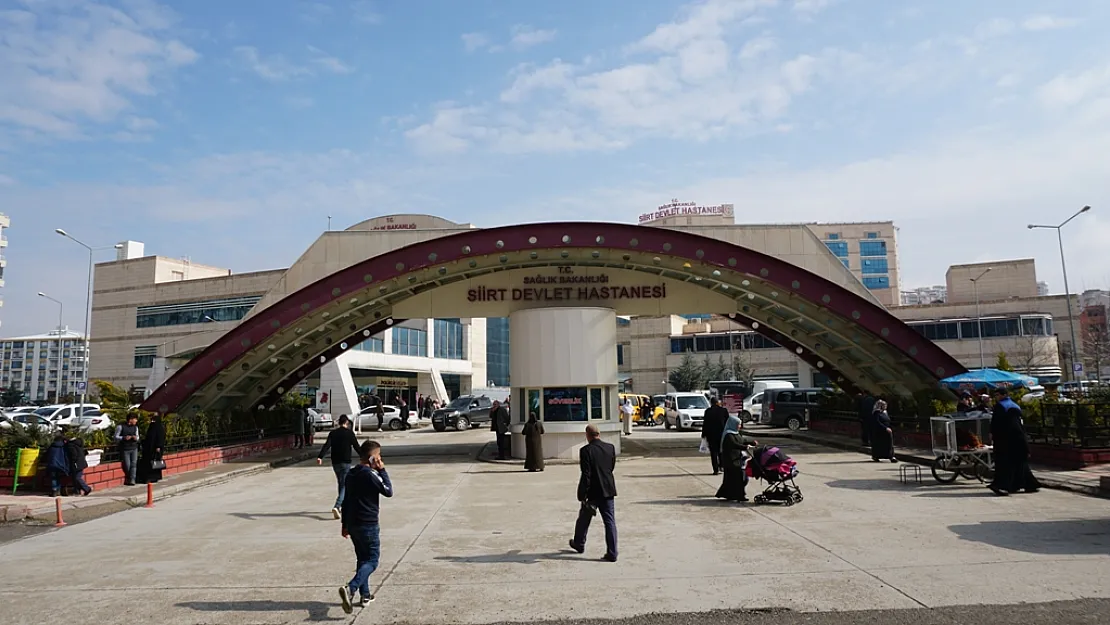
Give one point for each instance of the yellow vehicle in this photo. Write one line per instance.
(640, 404)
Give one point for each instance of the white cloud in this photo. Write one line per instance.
(366, 12)
(1074, 88)
(329, 63)
(757, 47)
(809, 8)
(300, 102)
(274, 67)
(1047, 22)
(67, 66)
(474, 41)
(7, 181)
(525, 36)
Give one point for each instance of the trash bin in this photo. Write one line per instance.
(28, 458)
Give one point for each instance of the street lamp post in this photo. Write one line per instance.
(58, 395)
(88, 306)
(1067, 291)
(979, 316)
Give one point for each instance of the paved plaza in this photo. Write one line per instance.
(473, 542)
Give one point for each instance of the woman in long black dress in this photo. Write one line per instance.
(533, 444)
(154, 444)
(882, 435)
(734, 446)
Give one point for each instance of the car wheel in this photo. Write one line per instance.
(794, 423)
(462, 424)
(394, 424)
(439, 427)
(746, 417)
(666, 423)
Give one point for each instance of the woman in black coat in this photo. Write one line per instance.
(154, 444)
(882, 436)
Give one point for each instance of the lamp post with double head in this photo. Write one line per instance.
(58, 396)
(979, 316)
(1067, 292)
(88, 305)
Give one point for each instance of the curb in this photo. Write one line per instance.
(45, 513)
(1047, 481)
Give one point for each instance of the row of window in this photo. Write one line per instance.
(876, 282)
(873, 266)
(954, 330)
(51, 343)
(866, 248)
(410, 342)
(720, 342)
(835, 236)
(231, 309)
(373, 344)
(449, 339)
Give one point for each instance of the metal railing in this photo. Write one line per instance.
(1083, 425)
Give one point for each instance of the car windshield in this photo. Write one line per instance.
(460, 402)
(692, 402)
(45, 412)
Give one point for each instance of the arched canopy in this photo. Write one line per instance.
(856, 342)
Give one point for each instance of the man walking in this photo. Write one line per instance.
(713, 430)
(499, 424)
(127, 441)
(366, 483)
(596, 489)
(866, 407)
(298, 429)
(341, 441)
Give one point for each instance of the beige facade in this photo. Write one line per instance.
(864, 241)
(996, 280)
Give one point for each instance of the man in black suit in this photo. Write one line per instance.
(499, 422)
(713, 430)
(596, 489)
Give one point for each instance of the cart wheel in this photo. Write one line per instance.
(946, 470)
(978, 471)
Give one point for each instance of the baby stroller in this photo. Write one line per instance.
(779, 470)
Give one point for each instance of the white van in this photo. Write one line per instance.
(64, 414)
(753, 404)
(685, 410)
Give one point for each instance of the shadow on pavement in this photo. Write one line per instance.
(1070, 537)
(655, 476)
(247, 516)
(706, 501)
(512, 557)
(317, 611)
(891, 483)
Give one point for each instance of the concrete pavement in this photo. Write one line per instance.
(470, 542)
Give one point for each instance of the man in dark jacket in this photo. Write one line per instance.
(405, 415)
(75, 455)
(366, 484)
(596, 489)
(499, 423)
(713, 429)
(866, 407)
(57, 465)
(341, 441)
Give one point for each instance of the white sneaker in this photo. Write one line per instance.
(364, 601)
(345, 599)
(335, 513)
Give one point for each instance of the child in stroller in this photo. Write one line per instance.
(771, 464)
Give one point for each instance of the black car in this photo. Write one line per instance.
(462, 413)
(789, 407)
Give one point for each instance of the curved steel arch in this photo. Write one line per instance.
(835, 330)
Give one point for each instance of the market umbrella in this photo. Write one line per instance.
(989, 378)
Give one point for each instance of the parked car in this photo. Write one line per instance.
(64, 414)
(788, 407)
(93, 421)
(463, 413)
(30, 418)
(685, 410)
(6, 423)
(321, 420)
(11, 412)
(753, 404)
(391, 419)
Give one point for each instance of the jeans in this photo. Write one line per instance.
(56, 480)
(607, 509)
(79, 479)
(341, 471)
(129, 458)
(368, 548)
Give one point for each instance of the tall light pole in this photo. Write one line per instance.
(88, 307)
(979, 316)
(58, 395)
(1067, 291)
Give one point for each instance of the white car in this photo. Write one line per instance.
(368, 418)
(30, 418)
(64, 414)
(93, 421)
(321, 420)
(687, 410)
(753, 407)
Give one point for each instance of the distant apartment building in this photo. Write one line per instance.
(1042, 289)
(870, 251)
(936, 294)
(46, 367)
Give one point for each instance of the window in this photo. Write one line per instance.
(565, 404)
(839, 248)
(873, 282)
(845, 261)
(144, 356)
(372, 344)
(833, 236)
(992, 328)
(232, 309)
(497, 350)
(597, 408)
(620, 354)
(680, 345)
(449, 339)
(872, 248)
(873, 265)
(410, 342)
(938, 330)
(1036, 326)
(871, 235)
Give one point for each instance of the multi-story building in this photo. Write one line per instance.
(1042, 288)
(46, 367)
(870, 251)
(936, 294)
(5, 222)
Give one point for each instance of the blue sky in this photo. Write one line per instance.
(228, 131)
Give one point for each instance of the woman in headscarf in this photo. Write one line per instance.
(533, 444)
(734, 458)
(154, 445)
(882, 436)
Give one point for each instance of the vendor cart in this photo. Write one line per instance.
(960, 447)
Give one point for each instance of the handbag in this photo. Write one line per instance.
(158, 465)
(588, 509)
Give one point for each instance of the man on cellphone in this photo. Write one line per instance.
(366, 483)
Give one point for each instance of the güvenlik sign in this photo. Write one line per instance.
(625, 291)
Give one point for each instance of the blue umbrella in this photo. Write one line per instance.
(989, 378)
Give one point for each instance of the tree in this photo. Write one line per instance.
(11, 397)
(688, 376)
(1003, 363)
(1096, 349)
(1031, 352)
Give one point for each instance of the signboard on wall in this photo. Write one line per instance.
(674, 208)
(566, 286)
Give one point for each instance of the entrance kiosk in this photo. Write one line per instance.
(564, 369)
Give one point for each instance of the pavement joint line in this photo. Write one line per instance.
(755, 510)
